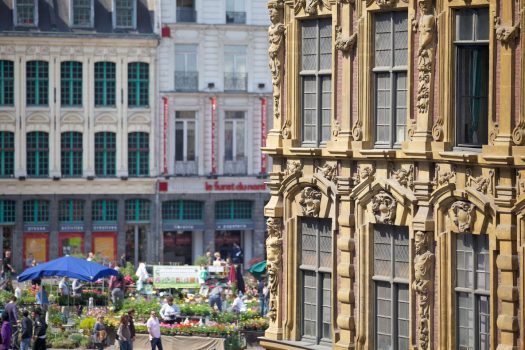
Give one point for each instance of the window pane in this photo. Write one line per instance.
(465, 310)
(464, 261)
(25, 12)
(401, 267)
(7, 153)
(483, 263)
(309, 45)
(309, 108)
(228, 140)
(309, 303)
(124, 13)
(190, 153)
(327, 306)
(82, 12)
(383, 107)
(383, 315)
(465, 24)
(37, 83)
(179, 141)
(401, 109)
(403, 311)
(400, 38)
(472, 111)
(383, 40)
(309, 244)
(482, 24)
(7, 83)
(326, 96)
(382, 251)
(325, 246)
(325, 44)
(239, 139)
(484, 322)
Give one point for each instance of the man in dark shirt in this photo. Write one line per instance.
(12, 311)
(131, 313)
(27, 331)
(6, 265)
(39, 334)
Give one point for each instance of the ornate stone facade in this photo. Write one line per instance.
(428, 185)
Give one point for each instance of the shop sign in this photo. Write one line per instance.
(170, 226)
(36, 228)
(71, 227)
(175, 276)
(233, 226)
(105, 227)
(217, 186)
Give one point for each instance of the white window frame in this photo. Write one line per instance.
(15, 15)
(234, 137)
(238, 5)
(185, 122)
(72, 14)
(133, 19)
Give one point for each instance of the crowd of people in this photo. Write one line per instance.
(31, 330)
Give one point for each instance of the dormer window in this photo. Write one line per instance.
(81, 13)
(26, 12)
(125, 13)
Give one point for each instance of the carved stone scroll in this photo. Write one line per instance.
(275, 51)
(422, 285)
(311, 7)
(426, 27)
(518, 134)
(344, 43)
(384, 208)
(463, 215)
(310, 201)
(274, 248)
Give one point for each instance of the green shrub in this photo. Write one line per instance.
(87, 324)
(63, 344)
(201, 260)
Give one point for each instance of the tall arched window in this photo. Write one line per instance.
(37, 150)
(138, 84)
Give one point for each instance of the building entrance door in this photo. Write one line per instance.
(225, 240)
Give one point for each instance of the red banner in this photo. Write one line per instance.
(213, 127)
(165, 143)
(264, 115)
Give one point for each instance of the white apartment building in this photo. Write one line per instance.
(214, 101)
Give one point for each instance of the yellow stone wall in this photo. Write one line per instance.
(435, 189)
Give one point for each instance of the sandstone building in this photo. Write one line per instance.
(397, 188)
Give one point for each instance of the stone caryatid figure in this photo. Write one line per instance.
(425, 54)
(275, 50)
(422, 285)
(274, 251)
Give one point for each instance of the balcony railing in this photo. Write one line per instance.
(235, 81)
(186, 14)
(190, 167)
(186, 81)
(235, 17)
(236, 167)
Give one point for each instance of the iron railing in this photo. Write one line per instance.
(235, 17)
(234, 81)
(238, 166)
(186, 81)
(186, 15)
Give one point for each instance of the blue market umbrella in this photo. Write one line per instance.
(68, 266)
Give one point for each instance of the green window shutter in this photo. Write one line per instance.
(37, 83)
(7, 83)
(37, 151)
(105, 84)
(7, 154)
(138, 84)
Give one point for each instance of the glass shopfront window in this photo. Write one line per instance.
(178, 247)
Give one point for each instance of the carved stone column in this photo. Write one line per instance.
(422, 285)
(276, 38)
(274, 249)
(426, 26)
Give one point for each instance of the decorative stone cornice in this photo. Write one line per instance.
(422, 285)
(384, 208)
(310, 201)
(481, 184)
(344, 43)
(462, 215)
(274, 248)
(506, 34)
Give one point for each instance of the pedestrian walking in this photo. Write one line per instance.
(153, 325)
(6, 332)
(131, 313)
(117, 286)
(39, 330)
(7, 269)
(216, 297)
(27, 331)
(11, 309)
(42, 299)
(124, 335)
(99, 333)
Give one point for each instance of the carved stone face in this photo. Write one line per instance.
(420, 242)
(274, 15)
(425, 6)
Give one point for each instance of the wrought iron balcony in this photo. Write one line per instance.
(235, 81)
(186, 15)
(238, 166)
(186, 81)
(236, 17)
(185, 168)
